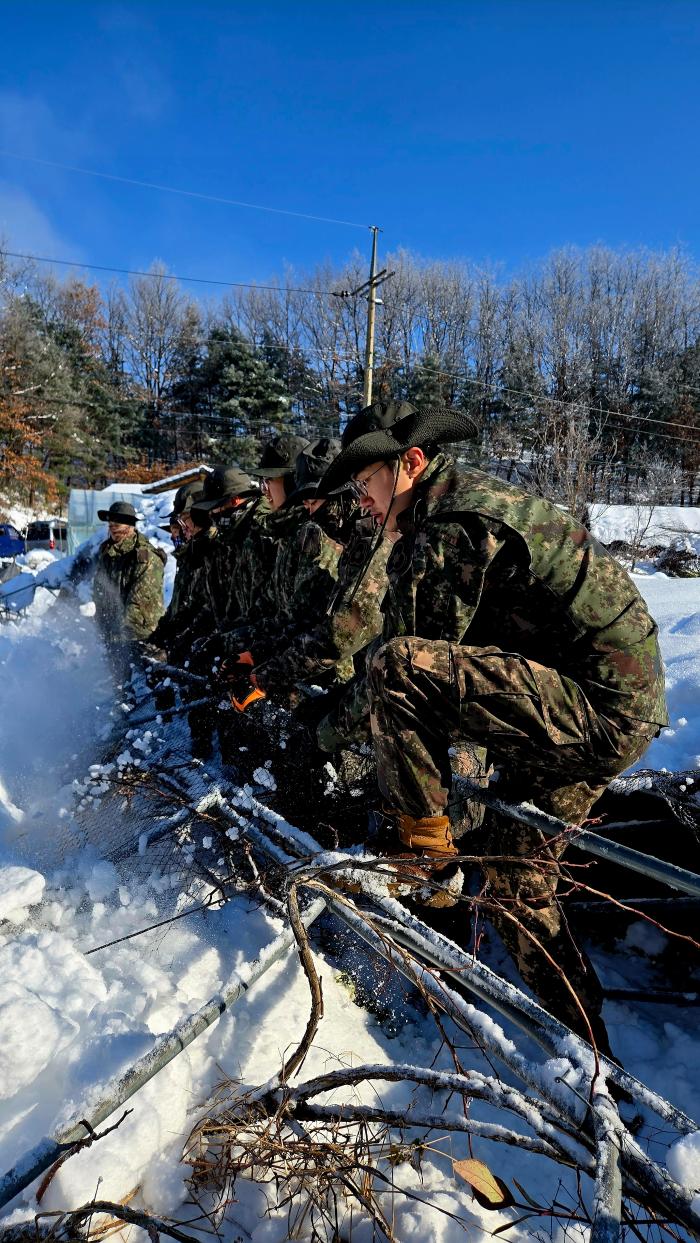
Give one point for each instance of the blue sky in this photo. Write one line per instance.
(491, 129)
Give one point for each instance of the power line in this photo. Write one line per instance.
(559, 401)
(167, 276)
(190, 194)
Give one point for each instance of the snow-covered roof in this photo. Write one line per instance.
(174, 481)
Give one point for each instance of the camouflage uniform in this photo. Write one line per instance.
(255, 561)
(128, 595)
(167, 628)
(128, 589)
(339, 624)
(220, 596)
(190, 617)
(508, 625)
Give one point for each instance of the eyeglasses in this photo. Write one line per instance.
(358, 487)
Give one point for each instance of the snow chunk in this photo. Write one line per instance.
(48, 966)
(32, 1033)
(19, 887)
(683, 1161)
(264, 778)
(643, 936)
(102, 881)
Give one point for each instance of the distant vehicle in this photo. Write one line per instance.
(51, 535)
(11, 542)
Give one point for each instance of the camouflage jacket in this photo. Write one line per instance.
(187, 616)
(220, 578)
(253, 593)
(161, 635)
(340, 626)
(128, 588)
(483, 563)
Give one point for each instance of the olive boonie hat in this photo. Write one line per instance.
(279, 457)
(222, 484)
(384, 431)
(182, 500)
(311, 465)
(119, 511)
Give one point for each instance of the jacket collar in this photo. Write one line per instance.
(128, 544)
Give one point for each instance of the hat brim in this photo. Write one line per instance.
(271, 472)
(207, 506)
(424, 428)
(104, 516)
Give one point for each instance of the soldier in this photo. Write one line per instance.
(315, 620)
(508, 626)
(304, 573)
(235, 505)
(256, 563)
(128, 585)
(170, 625)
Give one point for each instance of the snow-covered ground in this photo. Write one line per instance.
(644, 524)
(69, 1019)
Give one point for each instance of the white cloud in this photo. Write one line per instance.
(29, 126)
(25, 227)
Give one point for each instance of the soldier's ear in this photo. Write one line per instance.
(414, 462)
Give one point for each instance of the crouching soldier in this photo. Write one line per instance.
(128, 586)
(506, 625)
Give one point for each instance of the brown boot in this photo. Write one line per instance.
(427, 873)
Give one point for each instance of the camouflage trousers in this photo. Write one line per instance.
(428, 698)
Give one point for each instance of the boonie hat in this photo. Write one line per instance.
(279, 457)
(222, 484)
(119, 511)
(311, 465)
(385, 430)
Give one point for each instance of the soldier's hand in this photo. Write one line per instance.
(327, 736)
(240, 681)
(153, 651)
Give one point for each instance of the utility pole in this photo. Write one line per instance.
(371, 317)
(368, 287)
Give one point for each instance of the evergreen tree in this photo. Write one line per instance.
(234, 399)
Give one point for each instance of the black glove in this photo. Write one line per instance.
(311, 709)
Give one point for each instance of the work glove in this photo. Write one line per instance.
(239, 678)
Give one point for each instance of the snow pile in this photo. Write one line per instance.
(19, 888)
(683, 1163)
(674, 604)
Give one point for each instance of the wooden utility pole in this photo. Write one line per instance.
(371, 316)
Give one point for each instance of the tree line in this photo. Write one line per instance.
(582, 372)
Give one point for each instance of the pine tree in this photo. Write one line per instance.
(234, 397)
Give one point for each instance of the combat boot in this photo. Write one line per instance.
(427, 871)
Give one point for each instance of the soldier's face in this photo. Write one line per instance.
(275, 492)
(385, 494)
(187, 527)
(119, 531)
(311, 506)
